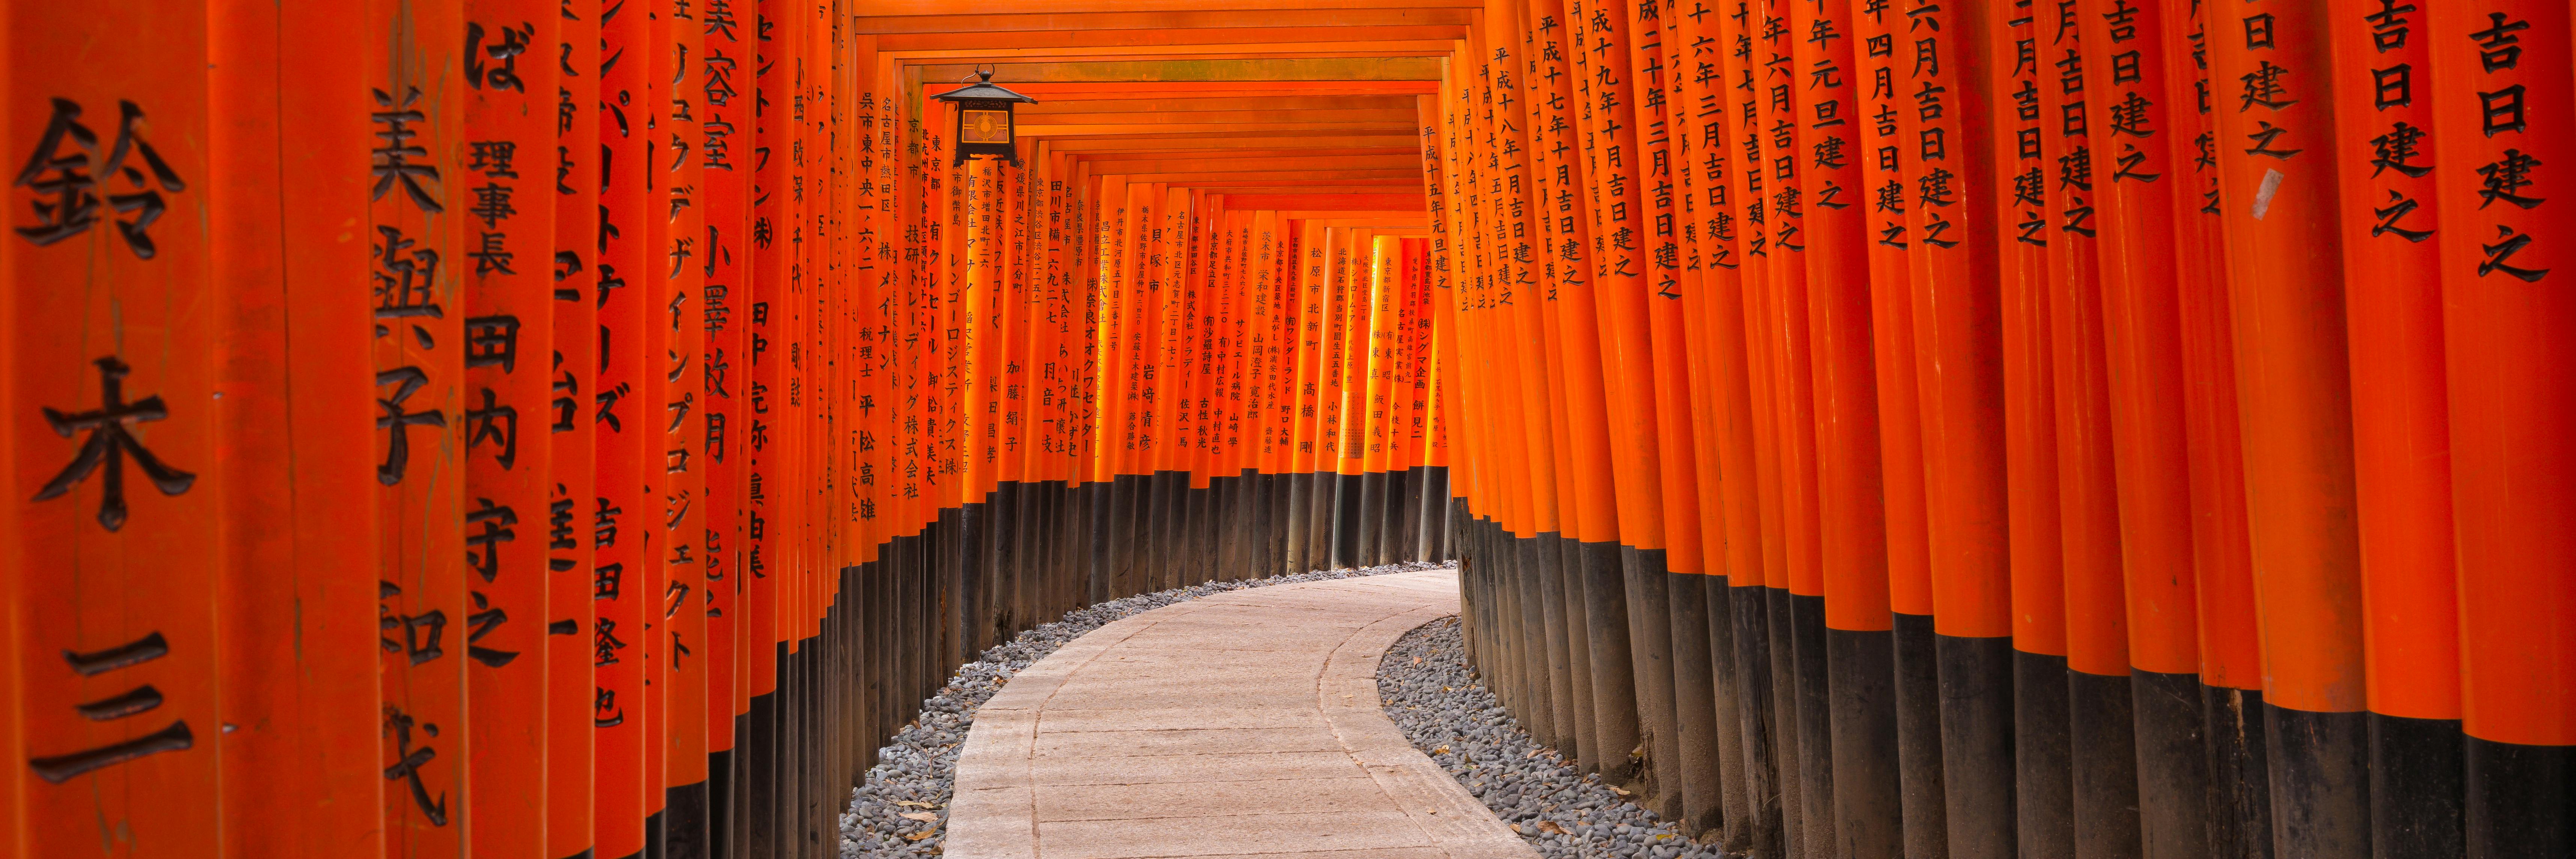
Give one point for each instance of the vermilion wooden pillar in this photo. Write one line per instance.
(679, 453)
(2501, 112)
(2286, 282)
(2401, 430)
(728, 153)
(415, 231)
(508, 329)
(1958, 360)
(114, 434)
(621, 418)
(299, 527)
(2072, 623)
(573, 373)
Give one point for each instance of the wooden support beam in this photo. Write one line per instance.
(1022, 7)
(1105, 22)
(1347, 69)
(1347, 202)
(954, 40)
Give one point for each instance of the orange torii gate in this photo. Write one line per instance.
(2104, 428)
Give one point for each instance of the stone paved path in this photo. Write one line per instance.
(1243, 724)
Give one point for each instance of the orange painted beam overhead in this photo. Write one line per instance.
(1017, 7)
(945, 22)
(1343, 202)
(1086, 37)
(1426, 70)
(1228, 165)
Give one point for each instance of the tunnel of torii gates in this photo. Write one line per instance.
(565, 428)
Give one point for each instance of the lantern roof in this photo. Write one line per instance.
(983, 90)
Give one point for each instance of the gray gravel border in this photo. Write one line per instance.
(1425, 686)
(917, 774)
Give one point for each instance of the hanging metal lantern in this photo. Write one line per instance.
(984, 119)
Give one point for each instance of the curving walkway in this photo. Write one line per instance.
(1243, 724)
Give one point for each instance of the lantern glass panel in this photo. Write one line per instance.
(984, 126)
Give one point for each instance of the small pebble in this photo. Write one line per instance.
(920, 766)
(1444, 709)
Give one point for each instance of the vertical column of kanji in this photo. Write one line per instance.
(1536, 59)
(725, 135)
(2092, 631)
(1140, 336)
(1797, 646)
(870, 284)
(1012, 488)
(1954, 368)
(1097, 214)
(764, 486)
(2287, 288)
(1398, 457)
(985, 420)
(2125, 69)
(420, 349)
(1609, 83)
(1382, 294)
(298, 536)
(1769, 742)
(1238, 514)
(1353, 257)
(655, 396)
(1316, 333)
(1729, 167)
(1486, 509)
(1107, 274)
(1653, 43)
(112, 370)
(1951, 380)
(1885, 187)
(2038, 629)
(1262, 330)
(1522, 328)
(684, 460)
(1279, 380)
(1605, 716)
(1046, 401)
(769, 71)
(1181, 368)
(1699, 146)
(1176, 377)
(1660, 53)
(508, 306)
(2401, 429)
(1691, 55)
(2506, 321)
(2230, 655)
(1426, 495)
(1209, 305)
(619, 426)
(572, 374)
(1855, 616)
(881, 277)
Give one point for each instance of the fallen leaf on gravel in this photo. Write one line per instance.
(1417, 660)
(1441, 750)
(923, 816)
(1551, 826)
(1533, 753)
(911, 804)
(917, 836)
